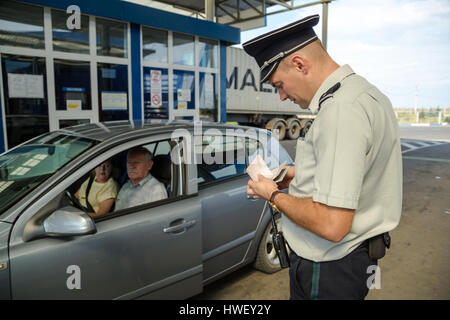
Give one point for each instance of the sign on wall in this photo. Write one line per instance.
(155, 91)
(25, 85)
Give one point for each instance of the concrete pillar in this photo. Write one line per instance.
(210, 9)
(324, 23)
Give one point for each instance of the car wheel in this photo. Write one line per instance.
(266, 258)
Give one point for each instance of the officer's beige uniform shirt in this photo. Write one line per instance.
(350, 158)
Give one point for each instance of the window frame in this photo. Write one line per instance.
(170, 67)
(90, 161)
(49, 55)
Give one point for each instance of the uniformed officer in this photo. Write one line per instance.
(345, 190)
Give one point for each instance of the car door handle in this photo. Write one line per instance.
(180, 227)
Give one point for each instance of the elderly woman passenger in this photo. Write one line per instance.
(103, 191)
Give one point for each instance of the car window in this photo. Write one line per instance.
(254, 148)
(277, 155)
(219, 157)
(160, 147)
(125, 181)
(25, 167)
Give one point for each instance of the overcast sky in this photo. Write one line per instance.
(398, 45)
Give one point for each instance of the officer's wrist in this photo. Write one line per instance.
(273, 195)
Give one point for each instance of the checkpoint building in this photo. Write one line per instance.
(104, 60)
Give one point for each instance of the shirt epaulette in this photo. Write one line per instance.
(329, 93)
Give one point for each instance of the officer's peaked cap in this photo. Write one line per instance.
(270, 48)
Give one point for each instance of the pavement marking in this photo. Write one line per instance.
(427, 159)
(412, 145)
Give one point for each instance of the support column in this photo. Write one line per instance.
(210, 10)
(324, 23)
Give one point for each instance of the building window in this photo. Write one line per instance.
(154, 45)
(113, 91)
(66, 40)
(111, 38)
(208, 52)
(184, 90)
(183, 49)
(21, 25)
(208, 96)
(156, 93)
(72, 85)
(25, 93)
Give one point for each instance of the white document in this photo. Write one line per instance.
(26, 85)
(73, 104)
(114, 100)
(184, 95)
(259, 166)
(182, 105)
(209, 82)
(209, 99)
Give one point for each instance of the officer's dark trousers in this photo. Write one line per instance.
(341, 279)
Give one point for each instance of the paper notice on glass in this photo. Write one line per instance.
(182, 105)
(25, 86)
(114, 100)
(155, 78)
(73, 104)
(209, 99)
(209, 82)
(155, 97)
(259, 166)
(184, 95)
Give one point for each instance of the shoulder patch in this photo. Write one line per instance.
(329, 93)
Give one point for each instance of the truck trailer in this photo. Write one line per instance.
(253, 104)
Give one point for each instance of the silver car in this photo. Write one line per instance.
(50, 248)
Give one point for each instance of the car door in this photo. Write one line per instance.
(229, 219)
(150, 251)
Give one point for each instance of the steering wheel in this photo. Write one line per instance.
(74, 201)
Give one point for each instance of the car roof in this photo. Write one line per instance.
(102, 131)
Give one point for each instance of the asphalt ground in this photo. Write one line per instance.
(417, 266)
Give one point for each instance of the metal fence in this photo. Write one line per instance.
(423, 116)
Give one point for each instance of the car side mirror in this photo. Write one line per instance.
(68, 221)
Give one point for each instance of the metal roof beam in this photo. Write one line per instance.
(282, 3)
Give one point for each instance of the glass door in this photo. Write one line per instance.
(73, 94)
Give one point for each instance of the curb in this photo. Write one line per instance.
(423, 124)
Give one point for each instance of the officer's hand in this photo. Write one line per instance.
(261, 189)
(290, 174)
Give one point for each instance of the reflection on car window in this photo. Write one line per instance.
(253, 147)
(24, 167)
(219, 157)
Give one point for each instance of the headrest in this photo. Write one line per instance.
(161, 168)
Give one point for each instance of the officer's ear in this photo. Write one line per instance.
(299, 63)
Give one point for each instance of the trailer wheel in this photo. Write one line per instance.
(305, 125)
(278, 128)
(293, 129)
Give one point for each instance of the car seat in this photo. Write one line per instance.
(162, 169)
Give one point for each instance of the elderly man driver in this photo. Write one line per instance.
(141, 187)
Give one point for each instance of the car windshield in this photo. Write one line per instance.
(25, 167)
